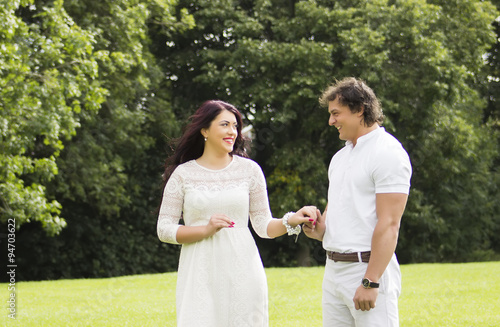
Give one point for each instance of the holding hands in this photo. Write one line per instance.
(306, 215)
(316, 230)
(293, 220)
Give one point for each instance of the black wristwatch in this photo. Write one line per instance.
(369, 284)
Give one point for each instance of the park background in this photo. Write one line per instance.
(92, 92)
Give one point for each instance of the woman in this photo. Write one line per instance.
(214, 188)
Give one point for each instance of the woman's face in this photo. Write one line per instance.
(222, 133)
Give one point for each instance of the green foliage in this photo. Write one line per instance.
(49, 80)
(92, 91)
(425, 62)
(108, 180)
(492, 117)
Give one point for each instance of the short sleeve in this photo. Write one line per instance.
(393, 171)
(260, 212)
(171, 209)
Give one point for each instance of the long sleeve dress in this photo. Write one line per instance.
(221, 279)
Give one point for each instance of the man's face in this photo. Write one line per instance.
(347, 123)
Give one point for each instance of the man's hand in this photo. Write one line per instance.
(316, 229)
(365, 298)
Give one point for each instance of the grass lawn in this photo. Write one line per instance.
(433, 295)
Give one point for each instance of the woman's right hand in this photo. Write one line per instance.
(217, 222)
(191, 234)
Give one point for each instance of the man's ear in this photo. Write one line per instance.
(361, 111)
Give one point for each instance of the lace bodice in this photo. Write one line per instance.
(196, 193)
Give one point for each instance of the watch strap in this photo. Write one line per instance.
(369, 284)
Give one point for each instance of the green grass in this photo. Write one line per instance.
(433, 295)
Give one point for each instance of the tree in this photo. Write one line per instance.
(113, 81)
(49, 81)
(109, 172)
(492, 116)
(424, 60)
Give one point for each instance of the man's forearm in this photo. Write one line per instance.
(384, 243)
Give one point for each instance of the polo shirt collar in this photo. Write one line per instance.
(365, 138)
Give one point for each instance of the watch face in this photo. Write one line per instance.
(366, 283)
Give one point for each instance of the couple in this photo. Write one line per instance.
(214, 188)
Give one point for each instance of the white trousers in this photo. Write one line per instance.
(339, 285)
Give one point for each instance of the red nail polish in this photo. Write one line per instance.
(311, 219)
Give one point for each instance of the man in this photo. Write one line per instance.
(369, 182)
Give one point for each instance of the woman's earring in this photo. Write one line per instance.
(205, 139)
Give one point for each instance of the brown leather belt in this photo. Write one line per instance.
(349, 257)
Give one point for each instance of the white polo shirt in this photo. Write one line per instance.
(377, 164)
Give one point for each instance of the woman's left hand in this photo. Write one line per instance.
(307, 214)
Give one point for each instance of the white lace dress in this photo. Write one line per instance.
(221, 279)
